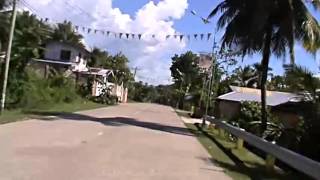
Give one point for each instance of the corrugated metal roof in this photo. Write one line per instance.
(274, 98)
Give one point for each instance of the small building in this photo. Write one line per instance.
(282, 104)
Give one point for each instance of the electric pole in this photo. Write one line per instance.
(8, 55)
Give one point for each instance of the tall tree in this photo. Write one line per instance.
(118, 63)
(300, 79)
(271, 26)
(245, 77)
(186, 74)
(64, 32)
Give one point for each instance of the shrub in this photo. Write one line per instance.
(106, 97)
(250, 120)
(41, 93)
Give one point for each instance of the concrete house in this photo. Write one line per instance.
(282, 104)
(64, 56)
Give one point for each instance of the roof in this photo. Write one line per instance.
(100, 72)
(274, 98)
(53, 61)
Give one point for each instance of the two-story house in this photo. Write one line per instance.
(64, 57)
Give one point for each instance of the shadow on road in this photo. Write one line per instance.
(112, 121)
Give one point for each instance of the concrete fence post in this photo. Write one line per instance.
(239, 143)
(270, 161)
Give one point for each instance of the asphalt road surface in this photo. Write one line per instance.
(125, 142)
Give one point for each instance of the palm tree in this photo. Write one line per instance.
(265, 26)
(301, 79)
(245, 77)
(64, 32)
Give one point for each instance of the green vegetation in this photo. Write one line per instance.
(21, 114)
(30, 90)
(266, 27)
(238, 164)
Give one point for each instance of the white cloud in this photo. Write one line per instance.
(151, 56)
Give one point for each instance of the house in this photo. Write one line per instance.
(72, 61)
(63, 57)
(102, 80)
(282, 104)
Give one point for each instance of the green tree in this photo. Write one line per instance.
(118, 63)
(30, 35)
(300, 79)
(64, 32)
(245, 76)
(186, 75)
(272, 26)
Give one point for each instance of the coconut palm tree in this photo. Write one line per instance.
(266, 27)
(300, 79)
(64, 32)
(245, 77)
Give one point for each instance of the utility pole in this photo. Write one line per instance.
(8, 55)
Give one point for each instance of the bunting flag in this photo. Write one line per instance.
(201, 36)
(195, 36)
(88, 30)
(209, 35)
(181, 37)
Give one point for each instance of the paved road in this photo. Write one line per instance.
(126, 142)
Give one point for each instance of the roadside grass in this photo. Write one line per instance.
(23, 114)
(238, 164)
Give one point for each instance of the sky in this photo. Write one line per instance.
(151, 56)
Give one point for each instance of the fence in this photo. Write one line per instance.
(295, 160)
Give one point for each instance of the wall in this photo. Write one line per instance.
(229, 109)
(53, 51)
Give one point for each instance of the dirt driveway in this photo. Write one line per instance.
(125, 142)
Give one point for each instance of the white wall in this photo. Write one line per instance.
(53, 51)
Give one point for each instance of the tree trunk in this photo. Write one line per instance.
(264, 76)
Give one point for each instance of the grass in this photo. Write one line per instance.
(22, 114)
(238, 164)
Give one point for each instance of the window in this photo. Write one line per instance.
(65, 55)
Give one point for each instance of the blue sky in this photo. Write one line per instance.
(191, 24)
(160, 17)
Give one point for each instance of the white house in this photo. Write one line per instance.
(65, 55)
(73, 60)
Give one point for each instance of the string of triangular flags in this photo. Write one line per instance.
(126, 35)
(139, 36)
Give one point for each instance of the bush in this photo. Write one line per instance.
(250, 120)
(41, 93)
(105, 97)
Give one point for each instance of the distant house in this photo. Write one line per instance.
(72, 60)
(282, 104)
